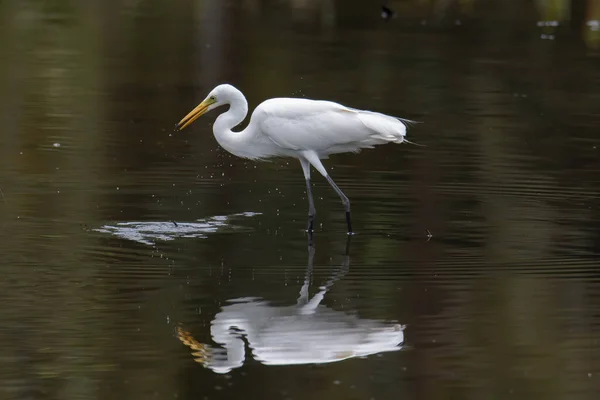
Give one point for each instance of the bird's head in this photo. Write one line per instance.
(219, 96)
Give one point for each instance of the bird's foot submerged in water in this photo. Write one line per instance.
(311, 223)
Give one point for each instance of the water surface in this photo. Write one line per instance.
(141, 263)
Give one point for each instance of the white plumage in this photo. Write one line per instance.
(309, 130)
(323, 126)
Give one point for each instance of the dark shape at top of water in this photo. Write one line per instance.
(387, 13)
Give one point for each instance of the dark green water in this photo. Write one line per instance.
(123, 242)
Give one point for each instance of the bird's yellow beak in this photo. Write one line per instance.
(194, 114)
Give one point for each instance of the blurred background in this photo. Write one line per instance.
(115, 230)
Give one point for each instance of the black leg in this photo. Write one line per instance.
(345, 202)
(311, 207)
(311, 204)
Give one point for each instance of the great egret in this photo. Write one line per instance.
(309, 130)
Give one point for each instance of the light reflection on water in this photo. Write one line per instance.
(149, 232)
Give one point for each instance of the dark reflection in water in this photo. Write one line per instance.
(115, 231)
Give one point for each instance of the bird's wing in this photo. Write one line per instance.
(324, 126)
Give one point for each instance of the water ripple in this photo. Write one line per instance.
(151, 231)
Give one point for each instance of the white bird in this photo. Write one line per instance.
(309, 130)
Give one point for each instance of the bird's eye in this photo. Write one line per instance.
(213, 98)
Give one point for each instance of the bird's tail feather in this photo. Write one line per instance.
(411, 123)
(408, 121)
(383, 126)
(415, 144)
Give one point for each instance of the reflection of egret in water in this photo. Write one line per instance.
(306, 333)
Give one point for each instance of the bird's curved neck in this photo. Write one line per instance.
(238, 109)
(222, 128)
(247, 143)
